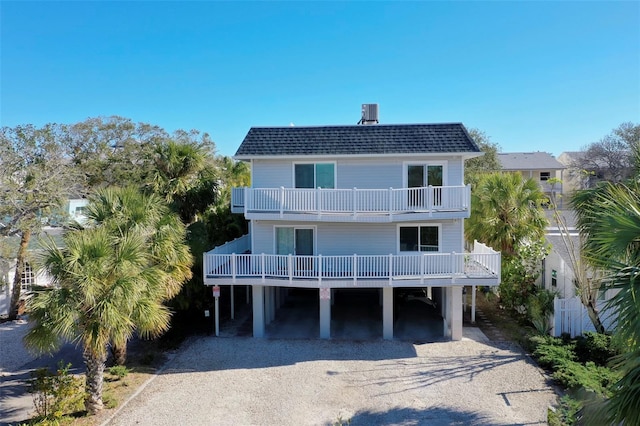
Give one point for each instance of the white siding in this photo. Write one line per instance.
(357, 238)
(272, 173)
(381, 173)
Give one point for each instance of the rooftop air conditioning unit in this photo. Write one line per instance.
(369, 114)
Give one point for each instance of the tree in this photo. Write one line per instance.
(486, 163)
(123, 209)
(36, 179)
(609, 219)
(612, 242)
(506, 213)
(112, 279)
(609, 159)
(113, 150)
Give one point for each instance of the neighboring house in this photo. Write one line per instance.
(31, 277)
(574, 178)
(77, 208)
(587, 170)
(355, 210)
(540, 166)
(558, 275)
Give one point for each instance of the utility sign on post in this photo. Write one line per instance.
(216, 291)
(325, 294)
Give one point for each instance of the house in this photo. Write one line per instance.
(32, 277)
(359, 214)
(77, 208)
(540, 166)
(558, 275)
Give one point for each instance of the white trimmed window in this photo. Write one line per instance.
(314, 175)
(419, 238)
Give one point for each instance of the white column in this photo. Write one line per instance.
(473, 304)
(258, 310)
(446, 311)
(456, 313)
(325, 315)
(387, 313)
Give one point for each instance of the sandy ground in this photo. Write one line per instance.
(246, 381)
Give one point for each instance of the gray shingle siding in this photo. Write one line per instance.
(357, 140)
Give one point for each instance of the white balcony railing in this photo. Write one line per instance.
(352, 267)
(351, 201)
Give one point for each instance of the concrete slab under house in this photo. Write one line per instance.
(355, 231)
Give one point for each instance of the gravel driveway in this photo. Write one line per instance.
(246, 381)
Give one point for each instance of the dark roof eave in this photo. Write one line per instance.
(464, 155)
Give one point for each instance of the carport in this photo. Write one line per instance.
(355, 314)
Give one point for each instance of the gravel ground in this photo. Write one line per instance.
(12, 351)
(246, 381)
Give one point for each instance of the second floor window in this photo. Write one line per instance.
(315, 175)
(545, 176)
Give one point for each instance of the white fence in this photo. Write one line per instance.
(571, 317)
(352, 201)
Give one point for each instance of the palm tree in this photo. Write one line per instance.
(506, 212)
(122, 209)
(609, 219)
(112, 280)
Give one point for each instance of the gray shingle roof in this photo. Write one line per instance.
(357, 140)
(529, 161)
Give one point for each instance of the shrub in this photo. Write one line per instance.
(567, 412)
(551, 352)
(119, 371)
(595, 347)
(573, 375)
(56, 394)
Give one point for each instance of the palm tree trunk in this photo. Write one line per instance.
(17, 279)
(94, 380)
(594, 316)
(119, 353)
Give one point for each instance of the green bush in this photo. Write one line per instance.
(573, 375)
(595, 347)
(551, 352)
(119, 371)
(56, 394)
(567, 412)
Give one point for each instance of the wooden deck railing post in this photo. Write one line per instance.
(262, 268)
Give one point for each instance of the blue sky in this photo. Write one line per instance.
(547, 76)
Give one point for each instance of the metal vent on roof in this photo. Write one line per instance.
(369, 114)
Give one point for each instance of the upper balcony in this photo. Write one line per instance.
(348, 205)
